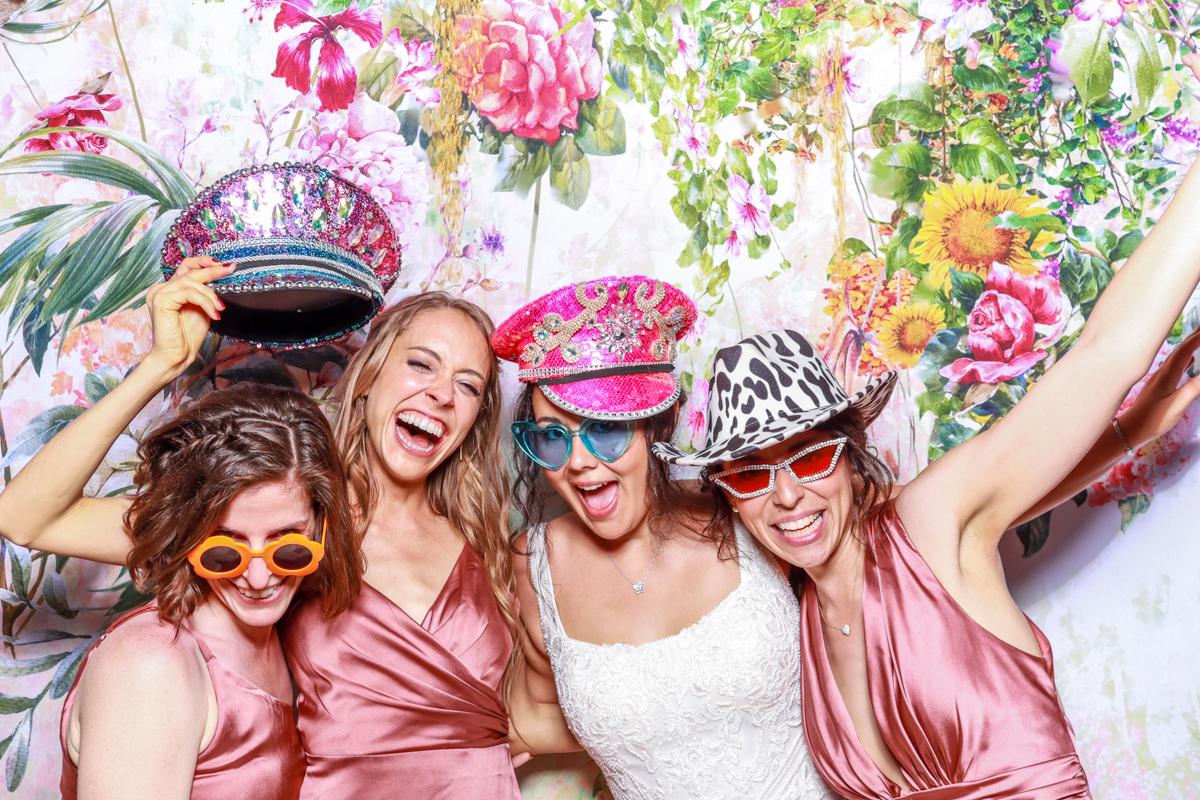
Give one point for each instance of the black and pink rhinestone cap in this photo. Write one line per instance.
(315, 254)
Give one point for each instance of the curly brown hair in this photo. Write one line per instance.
(193, 467)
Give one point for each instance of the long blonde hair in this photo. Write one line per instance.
(472, 496)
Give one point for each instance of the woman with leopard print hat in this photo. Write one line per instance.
(670, 652)
(921, 676)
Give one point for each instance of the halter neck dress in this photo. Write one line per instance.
(967, 716)
(254, 752)
(711, 713)
(390, 707)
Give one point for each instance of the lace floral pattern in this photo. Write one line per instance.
(712, 712)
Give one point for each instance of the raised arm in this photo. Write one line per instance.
(536, 722)
(967, 498)
(1158, 408)
(43, 507)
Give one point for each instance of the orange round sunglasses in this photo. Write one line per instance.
(224, 557)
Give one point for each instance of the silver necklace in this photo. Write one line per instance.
(845, 629)
(640, 586)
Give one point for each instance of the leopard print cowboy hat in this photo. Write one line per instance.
(768, 388)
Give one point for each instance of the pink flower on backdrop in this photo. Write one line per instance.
(416, 68)
(693, 138)
(736, 242)
(1154, 461)
(1004, 326)
(687, 47)
(259, 7)
(336, 78)
(1110, 11)
(698, 400)
(76, 111)
(525, 73)
(749, 206)
(363, 145)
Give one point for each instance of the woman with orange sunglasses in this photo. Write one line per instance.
(240, 499)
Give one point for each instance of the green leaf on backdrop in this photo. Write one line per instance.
(756, 81)
(897, 255)
(88, 166)
(570, 173)
(983, 79)
(376, 78)
(54, 592)
(912, 113)
(900, 170)
(1082, 277)
(15, 705)
(1125, 246)
(17, 746)
(1144, 65)
(17, 667)
(850, 249)
(695, 247)
(1086, 53)
(520, 164)
(99, 383)
(966, 287)
(137, 269)
(983, 153)
(38, 431)
(601, 128)
(36, 338)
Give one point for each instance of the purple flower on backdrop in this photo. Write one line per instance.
(1111, 11)
(336, 78)
(957, 20)
(1182, 129)
(1117, 137)
(492, 240)
(693, 138)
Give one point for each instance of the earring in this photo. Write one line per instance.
(736, 511)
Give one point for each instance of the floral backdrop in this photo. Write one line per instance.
(941, 188)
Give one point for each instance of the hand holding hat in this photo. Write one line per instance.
(181, 311)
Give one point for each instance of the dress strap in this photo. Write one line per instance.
(203, 645)
(543, 584)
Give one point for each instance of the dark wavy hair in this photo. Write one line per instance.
(672, 505)
(193, 467)
(870, 477)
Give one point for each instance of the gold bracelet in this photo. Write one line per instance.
(1121, 435)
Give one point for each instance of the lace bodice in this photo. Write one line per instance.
(712, 712)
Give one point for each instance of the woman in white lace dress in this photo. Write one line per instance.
(673, 654)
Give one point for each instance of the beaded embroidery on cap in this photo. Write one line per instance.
(315, 254)
(601, 349)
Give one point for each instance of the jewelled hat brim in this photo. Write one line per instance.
(617, 397)
(281, 300)
(870, 400)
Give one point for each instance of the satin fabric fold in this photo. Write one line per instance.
(255, 751)
(413, 710)
(967, 715)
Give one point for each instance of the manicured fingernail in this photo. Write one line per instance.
(229, 264)
(220, 305)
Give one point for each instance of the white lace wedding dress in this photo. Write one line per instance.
(711, 713)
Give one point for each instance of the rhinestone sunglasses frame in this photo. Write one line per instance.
(840, 443)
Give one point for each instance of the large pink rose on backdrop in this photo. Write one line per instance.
(1008, 319)
(522, 74)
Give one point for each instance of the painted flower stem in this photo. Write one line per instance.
(537, 208)
(128, 74)
(23, 78)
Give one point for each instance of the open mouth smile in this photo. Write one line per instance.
(802, 531)
(260, 596)
(599, 499)
(418, 433)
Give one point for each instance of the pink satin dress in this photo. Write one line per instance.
(392, 708)
(255, 751)
(967, 716)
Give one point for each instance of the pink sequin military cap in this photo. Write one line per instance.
(603, 349)
(315, 254)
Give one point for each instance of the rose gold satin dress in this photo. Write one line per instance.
(967, 716)
(255, 751)
(390, 708)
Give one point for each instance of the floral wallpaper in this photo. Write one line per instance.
(941, 188)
